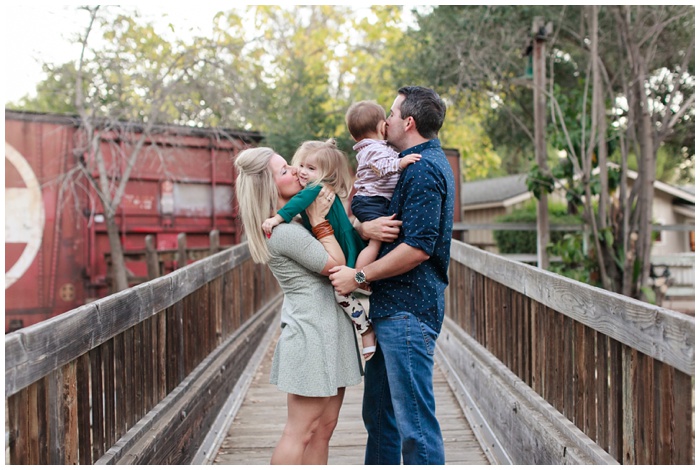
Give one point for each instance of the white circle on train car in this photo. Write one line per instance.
(24, 215)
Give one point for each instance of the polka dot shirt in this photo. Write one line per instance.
(424, 200)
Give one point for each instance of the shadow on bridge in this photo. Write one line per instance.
(546, 370)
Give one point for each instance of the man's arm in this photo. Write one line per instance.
(384, 229)
(401, 259)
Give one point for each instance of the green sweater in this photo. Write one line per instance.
(349, 240)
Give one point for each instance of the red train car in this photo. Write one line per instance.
(55, 236)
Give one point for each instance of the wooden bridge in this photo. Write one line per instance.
(532, 368)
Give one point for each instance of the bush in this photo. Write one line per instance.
(525, 241)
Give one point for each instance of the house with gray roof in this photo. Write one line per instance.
(484, 200)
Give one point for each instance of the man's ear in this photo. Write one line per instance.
(410, 124)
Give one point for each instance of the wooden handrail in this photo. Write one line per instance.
(85, 386)
(619, 369)
(77, 383)
(663, 334)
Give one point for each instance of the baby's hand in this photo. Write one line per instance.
(408, 159)
(269, 224)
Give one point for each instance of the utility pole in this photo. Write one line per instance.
(540, 33)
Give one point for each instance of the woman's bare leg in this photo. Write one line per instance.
(303, 418)
(316, 452)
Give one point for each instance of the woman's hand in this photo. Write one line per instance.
(318, 209)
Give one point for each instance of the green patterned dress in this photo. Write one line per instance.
(317, 351)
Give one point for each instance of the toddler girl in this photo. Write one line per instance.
(322, 163)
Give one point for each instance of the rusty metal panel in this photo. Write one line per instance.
(44, 239)
(55, 235)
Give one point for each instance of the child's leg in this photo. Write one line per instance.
(355, 311)
(359, 317)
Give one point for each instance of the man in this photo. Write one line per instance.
(408, 281)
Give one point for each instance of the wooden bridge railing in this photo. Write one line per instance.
(620, 370)
(164, 260)
(122, 379)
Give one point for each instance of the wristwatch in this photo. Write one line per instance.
(360, 277)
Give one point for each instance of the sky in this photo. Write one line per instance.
(40, 32)
(35, 33)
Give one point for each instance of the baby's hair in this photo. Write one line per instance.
(333, 168)
(362, 118)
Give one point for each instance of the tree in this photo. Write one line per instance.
(296, 93)
(283, 78)
(652, 38)
(620, 78)
(626, 67)
(134, 81)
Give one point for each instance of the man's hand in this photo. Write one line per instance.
(384, 229)
(343, 279)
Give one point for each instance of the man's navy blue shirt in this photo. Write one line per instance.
(424, 200)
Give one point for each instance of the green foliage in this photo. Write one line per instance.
(463, 131)
(538, 182)
(525, 241)
(648, 294)
(575, 262)
(674, 165)
(55, 94)
(307, 84)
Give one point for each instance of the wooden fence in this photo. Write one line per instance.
(621, 370)
(122, 379)
(163, 261)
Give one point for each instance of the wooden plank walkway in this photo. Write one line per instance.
(258, 425)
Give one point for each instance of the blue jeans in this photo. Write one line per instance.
(398, 407)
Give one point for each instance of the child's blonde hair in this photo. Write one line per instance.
(333, 167)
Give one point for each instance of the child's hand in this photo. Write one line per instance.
(408, 159)
(268, 225)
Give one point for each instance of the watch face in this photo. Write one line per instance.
(360, 277)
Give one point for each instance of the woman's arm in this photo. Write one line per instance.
(316, 213)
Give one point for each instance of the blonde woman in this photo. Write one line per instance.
(317, 354)
(323, 165)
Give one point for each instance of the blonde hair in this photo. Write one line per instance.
(363, 117)
(333, 167)
(256, 194)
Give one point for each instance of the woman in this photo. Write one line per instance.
(317, 353)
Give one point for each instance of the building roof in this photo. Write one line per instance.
(493, 190)
(74, 120)
(512, 189)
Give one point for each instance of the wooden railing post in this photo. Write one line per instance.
(152, 262)
(181, 250)
(213, 242)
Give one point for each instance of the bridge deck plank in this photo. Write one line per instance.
(258, 425)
